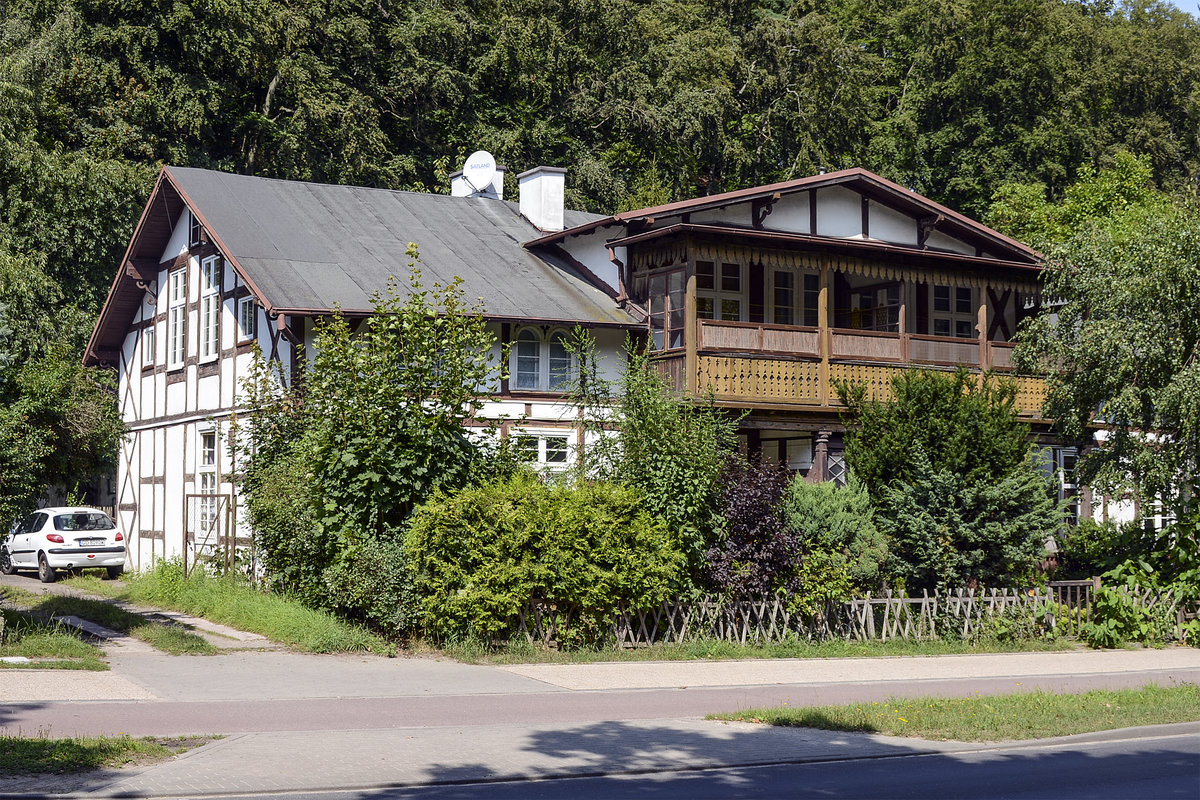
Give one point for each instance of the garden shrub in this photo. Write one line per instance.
(947, 531)
(757, 553)
(294, 552)
(372, 583)
(843, 550)
(481, 555)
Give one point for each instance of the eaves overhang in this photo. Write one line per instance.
(786, 240)
(864, 182)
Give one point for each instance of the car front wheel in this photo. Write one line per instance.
(46, 573)
(6, 565)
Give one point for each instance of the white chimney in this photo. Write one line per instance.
(542, 190)
(461, 187)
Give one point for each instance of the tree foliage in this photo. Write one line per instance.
(646, 436)
(338, 459)
(962, 425)
(1121, 346)
(950, 471)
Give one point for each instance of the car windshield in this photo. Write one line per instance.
(83, 521)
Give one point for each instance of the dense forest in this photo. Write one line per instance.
(643, 100)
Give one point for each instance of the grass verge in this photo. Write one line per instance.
(1032, 715)
(242, 607)
(51, 646)
(716, 650)
(46, 756)
(168, 638)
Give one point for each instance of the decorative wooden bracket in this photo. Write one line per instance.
(761, 208)
(925, 226)
(144, 273)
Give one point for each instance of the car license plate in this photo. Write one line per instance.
(91, 542)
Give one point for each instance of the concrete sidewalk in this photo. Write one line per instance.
(374, 760)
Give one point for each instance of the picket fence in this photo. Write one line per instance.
(1063, 606)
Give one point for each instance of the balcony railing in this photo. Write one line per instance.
(762, 365)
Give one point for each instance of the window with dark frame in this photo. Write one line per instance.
(195, 231)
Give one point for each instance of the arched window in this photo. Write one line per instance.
(529, 359)
(561, 363)
(542, 362)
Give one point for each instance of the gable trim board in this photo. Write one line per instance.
(928, 215)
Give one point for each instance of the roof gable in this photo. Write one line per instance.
(306, 248)
(849, 204)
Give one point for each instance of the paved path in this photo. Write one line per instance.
(295, 722)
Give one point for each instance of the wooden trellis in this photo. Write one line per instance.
(890, 615)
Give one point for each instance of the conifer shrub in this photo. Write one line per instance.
(843, 549)
(481, 555)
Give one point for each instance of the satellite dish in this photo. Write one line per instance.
(479, 170)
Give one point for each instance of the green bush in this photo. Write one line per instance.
(945, 530)
(842, 549)
(372, 583)
(294, 552)
(1092, 548)
(479, 556)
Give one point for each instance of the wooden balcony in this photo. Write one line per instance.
(773, 366)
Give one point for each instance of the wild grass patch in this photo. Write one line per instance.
(43, 755)
(168, 638)
(51, 645)
(1030, 715)
(521, 652)
(230, 602)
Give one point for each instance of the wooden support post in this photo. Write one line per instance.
(902, 323)
(691, 327)
(825, 339)
(982, 326)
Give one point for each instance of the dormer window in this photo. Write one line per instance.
(195, 231)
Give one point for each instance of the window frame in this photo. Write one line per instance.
(953, 317)
(541, 439)
(247, 332)
(149, 344)
(211, 274)
(207, 477)
(177, 317)
(543, 359)
(711, 299)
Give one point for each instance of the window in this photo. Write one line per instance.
(1058, 464)
(210, 306)
(667, 292)
(542, 362)
(207, 477)
(148, 345)
(784, 297)
(876, 308)
(247, 316)
(719, 291)
(195, 231)
(953, 312)
(794, 297)
(177, 318)
(550, 451)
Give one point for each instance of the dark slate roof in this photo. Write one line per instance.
(308, 247)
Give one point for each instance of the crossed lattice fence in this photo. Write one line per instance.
(1063, 606)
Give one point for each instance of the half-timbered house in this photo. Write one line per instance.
(756, 299)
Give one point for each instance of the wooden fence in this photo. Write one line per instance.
(1062, 606)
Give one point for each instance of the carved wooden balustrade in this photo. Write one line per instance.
(760, 365)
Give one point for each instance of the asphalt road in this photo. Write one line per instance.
(1146, 769)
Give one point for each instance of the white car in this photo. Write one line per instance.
(53, 539)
